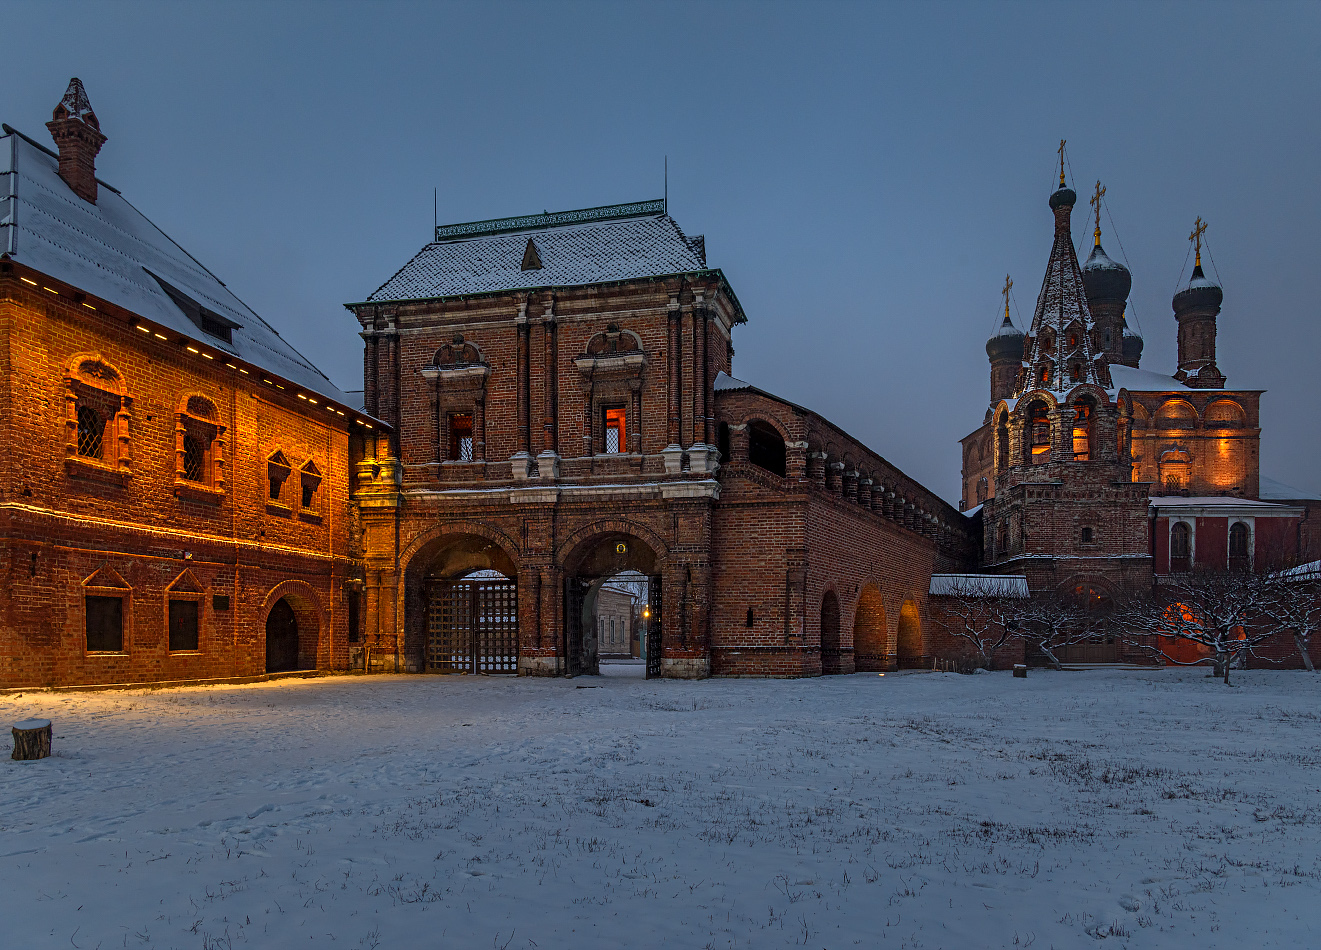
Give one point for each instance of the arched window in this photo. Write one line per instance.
(1180, 548)
(1240, 548)
(1038, 433)
(765, 447)
(1084, 428)
(981, 490)
(199, 450)
(91, 431)
(96, 419)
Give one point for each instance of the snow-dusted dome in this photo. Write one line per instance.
(1104, 278)
(1201, 293)
(1005, 343)
(1132, 346)
(1063, 197)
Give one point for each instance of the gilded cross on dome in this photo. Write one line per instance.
(1196, 237)
(1061, 151)
(1096, 206)
(1008, 284)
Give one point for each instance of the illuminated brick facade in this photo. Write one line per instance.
(139, 537)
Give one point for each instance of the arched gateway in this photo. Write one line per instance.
(465, 591)
(589, 566)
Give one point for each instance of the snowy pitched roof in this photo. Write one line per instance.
(979, 585)
(1271, 490)
(109, 250)
(572, 248)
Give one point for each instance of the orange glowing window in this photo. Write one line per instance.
(461, 437)
(615, 440)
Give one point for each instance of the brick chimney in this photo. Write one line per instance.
(78, 136)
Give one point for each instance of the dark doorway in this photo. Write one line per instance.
(472, 624)
(281, 638)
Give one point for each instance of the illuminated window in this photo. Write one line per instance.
(1038, 433)
(1083, 422)
(615, 440)
(460, 425)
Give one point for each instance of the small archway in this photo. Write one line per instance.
(281, 638)
(830, 657)
(1084, 429)
(871, 648)
(602, 572)
(298, 644)
(910, 635)
(766, 447)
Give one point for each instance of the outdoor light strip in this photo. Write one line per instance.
(26, 281)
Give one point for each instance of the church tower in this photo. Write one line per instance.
(1107, 283)
(1062, 507)
(1005, 351)
(1196, 308)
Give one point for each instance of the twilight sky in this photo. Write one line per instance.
(865, 174)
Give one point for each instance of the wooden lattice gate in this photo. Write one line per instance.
(472, 627)
(653, 621)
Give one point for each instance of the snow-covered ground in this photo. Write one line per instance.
(1142, 809)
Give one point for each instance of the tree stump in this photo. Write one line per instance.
(32, 739)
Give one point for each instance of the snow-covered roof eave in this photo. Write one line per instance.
(110, 252)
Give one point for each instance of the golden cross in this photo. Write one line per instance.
(1061, 151)
(1196, 237)
(1096, 205)
(1008, 283)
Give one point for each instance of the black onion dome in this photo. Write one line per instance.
(1005, 343)
(1132, 346)
(1104, 278)
(1063, 197)
(1200, 294)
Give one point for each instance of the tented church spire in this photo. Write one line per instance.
(1062, 355)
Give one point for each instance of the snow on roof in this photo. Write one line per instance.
(597, 245)
(1207, 501)
(111, 251)
(1271, 490)
(1145, 381)
(972, 511)
(979, 585)
(725, 381)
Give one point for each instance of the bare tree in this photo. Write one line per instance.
(1051, 622)
(983, 610)
(1227, 614)
(1296, 605)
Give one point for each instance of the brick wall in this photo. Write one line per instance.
(61, 522)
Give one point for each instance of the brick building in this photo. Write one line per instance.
(174, 495)
(1092, 476)
(561, 407)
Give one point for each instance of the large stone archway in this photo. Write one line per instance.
(591, 562)
(872, 652)
(461, 605)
